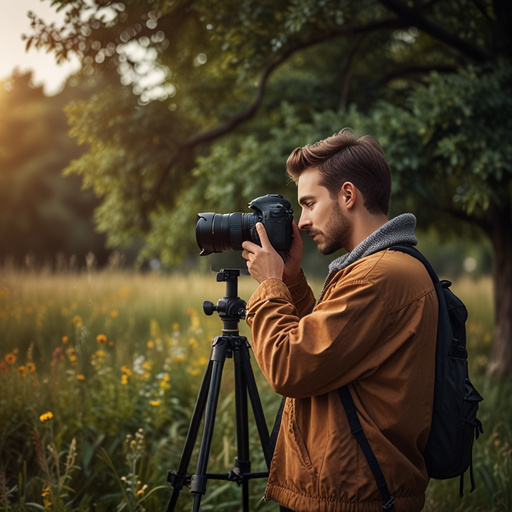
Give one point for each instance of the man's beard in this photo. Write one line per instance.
(337, 232)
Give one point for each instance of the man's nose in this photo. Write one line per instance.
(304, 222)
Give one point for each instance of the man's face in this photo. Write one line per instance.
(322, 216)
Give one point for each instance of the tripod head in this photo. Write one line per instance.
(230, 308)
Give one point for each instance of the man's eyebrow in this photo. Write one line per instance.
(305, 199)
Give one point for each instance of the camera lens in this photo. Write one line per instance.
(216, 232)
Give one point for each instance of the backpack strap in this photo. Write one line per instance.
(412, 251)
(275, 430)
(357, 431)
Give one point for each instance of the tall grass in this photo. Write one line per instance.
(99, 374)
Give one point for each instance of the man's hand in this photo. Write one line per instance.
(293, 259)
(263, 262)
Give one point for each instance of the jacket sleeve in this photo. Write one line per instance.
(337, 343)
(302, 297)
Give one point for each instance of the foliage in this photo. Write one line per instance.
(459, 125)
(99, 374)
(202, 81)
(134, 493)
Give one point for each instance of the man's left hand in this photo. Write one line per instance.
(263, 262)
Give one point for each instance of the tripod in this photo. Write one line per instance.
(230, 345)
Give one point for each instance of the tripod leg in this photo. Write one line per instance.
(257, 408)
(177, 479)
(198, 482)
(243, 464)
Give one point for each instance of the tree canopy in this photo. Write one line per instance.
(211, 98)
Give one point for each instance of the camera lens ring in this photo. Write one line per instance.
(235, 231)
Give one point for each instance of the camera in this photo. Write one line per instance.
(226, 232)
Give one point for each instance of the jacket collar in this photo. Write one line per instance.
(399, 230)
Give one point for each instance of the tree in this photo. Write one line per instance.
(238, 85)
(41, 212)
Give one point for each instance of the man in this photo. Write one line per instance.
(373, 328)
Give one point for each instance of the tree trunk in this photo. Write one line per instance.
(500, 361)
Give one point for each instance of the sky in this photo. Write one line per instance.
(14, 22)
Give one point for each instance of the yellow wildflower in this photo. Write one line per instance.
(10, 358)
(101, 338)
(164, 385)
(155, 403)
(77, 320)
(22, 371)
(31, 367)
(80, 376)
(127, 371)
(64, 339)
(141, 492)
(46, 497)
(47, 416)
(114, 313)
(124, 379)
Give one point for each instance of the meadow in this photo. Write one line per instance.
(99, 374)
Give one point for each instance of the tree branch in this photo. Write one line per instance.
(485, 224)
(417, 70)
(215, 133)
(416, 18)
(347, 72)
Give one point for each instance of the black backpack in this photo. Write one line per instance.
(454, 423)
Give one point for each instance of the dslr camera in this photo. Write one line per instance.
(226, 232)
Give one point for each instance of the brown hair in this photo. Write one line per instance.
(345, 157)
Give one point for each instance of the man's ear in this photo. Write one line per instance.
(348, 195)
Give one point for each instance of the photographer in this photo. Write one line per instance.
(373, 328)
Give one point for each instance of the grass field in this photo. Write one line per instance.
(99, 373)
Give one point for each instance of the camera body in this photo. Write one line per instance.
(221, 232)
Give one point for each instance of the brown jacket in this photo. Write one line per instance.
(373, 328)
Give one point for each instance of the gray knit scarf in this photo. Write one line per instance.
(399, 230)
